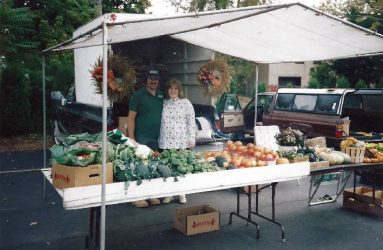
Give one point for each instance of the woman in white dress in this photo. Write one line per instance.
(177, 123)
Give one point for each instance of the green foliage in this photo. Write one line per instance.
(242, 72)
(324, 74)
(342, 82)
(314, 83)
(16, 28)
(262, 87)
(368, 69)
(290, 85)
(203, 5)
(360, 84)
(380, 83)
(26, 28)
(368, 14)
(14, 99)
(125, 6)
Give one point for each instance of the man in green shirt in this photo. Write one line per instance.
(144, 120)
(145, 108)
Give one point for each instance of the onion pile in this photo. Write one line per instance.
(245, 156)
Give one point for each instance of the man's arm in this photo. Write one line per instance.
(132, 124)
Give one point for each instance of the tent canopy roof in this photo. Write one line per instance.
(263, 34)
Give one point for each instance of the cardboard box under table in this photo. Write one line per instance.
(195, 220)
(363, 202)
(76, 176)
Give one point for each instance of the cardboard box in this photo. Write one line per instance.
(75, 176)
(123, 124)
(378, 197)
(359, 193)
(362, 202)
(195, 220)
(299, 159)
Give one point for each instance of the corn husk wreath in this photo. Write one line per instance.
(215, 77)
(121, 77)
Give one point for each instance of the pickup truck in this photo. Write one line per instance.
(333, 113)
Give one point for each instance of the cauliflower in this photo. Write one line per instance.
(143, 152)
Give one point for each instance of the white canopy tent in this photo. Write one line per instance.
(275, 34)
(262, 34)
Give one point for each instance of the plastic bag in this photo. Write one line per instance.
(109, 153)
(82, 157)
(116, 136)
(72, 139)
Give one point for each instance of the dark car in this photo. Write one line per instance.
(265, 101)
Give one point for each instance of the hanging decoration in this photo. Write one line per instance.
(121, 77)
(215, 77)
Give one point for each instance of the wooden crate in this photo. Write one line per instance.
(357, 154)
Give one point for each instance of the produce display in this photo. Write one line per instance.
(140, 163)
(132, 162)
(352, 142)
(373, 153)
(237, 155)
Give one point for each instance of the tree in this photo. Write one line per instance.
(203, 5)
(125, 6)
(368, 14)
(342, 82)
(28, 27)
(360, 84)
(314, 83)
(16, 26)
(324, 74)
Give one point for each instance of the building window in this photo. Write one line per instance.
(289, 81)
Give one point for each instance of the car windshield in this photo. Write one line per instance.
(318, 103)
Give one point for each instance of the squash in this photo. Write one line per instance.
(331, 158)
(346, 157)
(282, 161)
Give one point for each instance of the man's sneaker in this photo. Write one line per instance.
(155, 201)
(182, 199)
(141, 203)
(167, 200)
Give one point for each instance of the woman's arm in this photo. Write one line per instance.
(132, 124)
(190, 123)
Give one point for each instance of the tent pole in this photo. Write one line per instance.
(104, 128)
(44, 127)
(256, 98)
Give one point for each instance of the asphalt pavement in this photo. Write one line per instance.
(28, 221)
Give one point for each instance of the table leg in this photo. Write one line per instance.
(92, 240)
(272, 220)
(237, 213)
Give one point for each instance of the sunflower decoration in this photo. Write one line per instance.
(215, 77)
(121, 77)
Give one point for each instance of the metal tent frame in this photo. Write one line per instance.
(218, 25)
